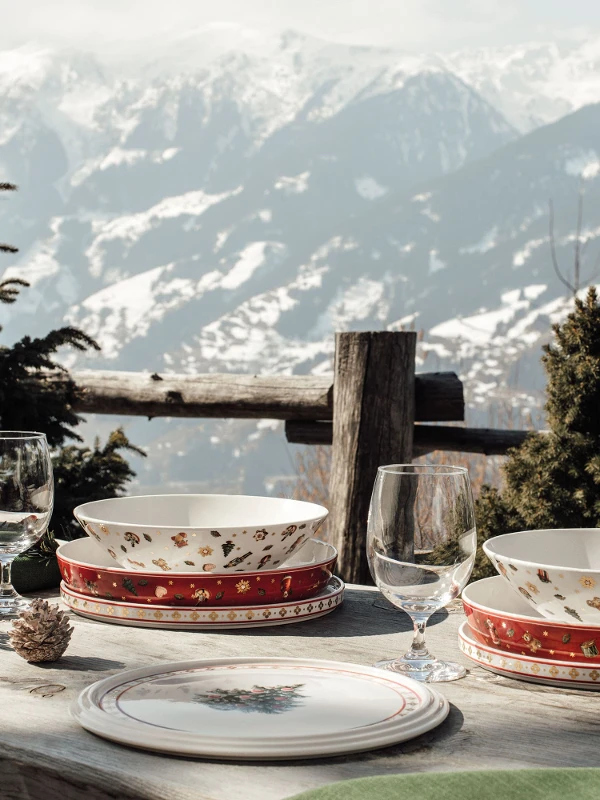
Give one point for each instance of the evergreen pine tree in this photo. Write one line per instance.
(36, 393)
(553, 479)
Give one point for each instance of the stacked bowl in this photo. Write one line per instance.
(199, 561)
(539, 619)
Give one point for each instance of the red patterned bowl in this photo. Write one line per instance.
(90, 571)
(499, 618)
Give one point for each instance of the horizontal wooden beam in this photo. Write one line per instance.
(438, 396)
(426, 438)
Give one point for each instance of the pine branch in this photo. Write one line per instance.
(8, 187)
(8, 248)
(83, 474)
(36, 353)
(9, 291)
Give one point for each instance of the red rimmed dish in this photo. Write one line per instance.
(571, 673)
(248, 615)
(503, 621)
(89, 571)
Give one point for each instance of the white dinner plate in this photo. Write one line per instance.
(261, 709)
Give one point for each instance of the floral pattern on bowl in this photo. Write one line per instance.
(556, 571)
(88, 571)
(200, 533)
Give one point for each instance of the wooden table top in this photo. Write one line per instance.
(494, 722)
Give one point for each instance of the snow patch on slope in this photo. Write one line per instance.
(130, 228)
(369, 189)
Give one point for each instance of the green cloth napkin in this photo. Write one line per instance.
(519, 784)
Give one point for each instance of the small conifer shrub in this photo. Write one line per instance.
(553, 479)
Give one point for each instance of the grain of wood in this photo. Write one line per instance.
(439, 395)
(374, 402)
(494, 722)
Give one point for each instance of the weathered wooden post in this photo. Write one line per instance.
(373, 418)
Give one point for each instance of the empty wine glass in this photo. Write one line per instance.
(421, 545)
(26, 502)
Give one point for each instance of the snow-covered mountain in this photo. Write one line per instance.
(230, 211)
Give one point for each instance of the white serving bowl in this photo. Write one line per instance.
(200, 532)
(556, 571)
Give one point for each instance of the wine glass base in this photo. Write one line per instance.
(433, 671)
(11, 606)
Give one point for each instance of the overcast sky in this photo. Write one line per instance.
(412, 24)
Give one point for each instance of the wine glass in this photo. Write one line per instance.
(26, 502)
(421, 546)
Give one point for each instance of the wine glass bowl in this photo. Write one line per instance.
(26, 503)
(421, 546)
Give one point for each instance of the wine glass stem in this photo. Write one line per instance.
(418, 649)
(6, 587)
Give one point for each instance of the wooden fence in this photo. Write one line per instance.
(371, 410)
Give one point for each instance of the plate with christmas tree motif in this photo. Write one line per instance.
(200, 617)
(260, 709)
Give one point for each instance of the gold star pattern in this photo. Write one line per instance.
(551, 652)
(272, 580)
(544, 633)
(587, 582)
(219, 583)
(258, 578)
(170, 583)
(572, 655)
(192, 585)
(99, 576)
(114, 584)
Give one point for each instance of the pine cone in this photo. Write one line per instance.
(41, 633)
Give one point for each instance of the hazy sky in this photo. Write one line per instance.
(412, 24)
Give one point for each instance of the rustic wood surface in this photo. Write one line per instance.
(374, 399)
(426, 438)
(494, 722)
(438, 395)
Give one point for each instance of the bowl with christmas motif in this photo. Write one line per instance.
(556, 571)
(88, 570)
(200, 532)
(504, 620)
